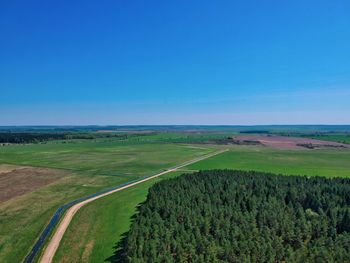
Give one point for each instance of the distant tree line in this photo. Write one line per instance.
(328, 136)
(10, 137)
(35, 137)
(236, 216)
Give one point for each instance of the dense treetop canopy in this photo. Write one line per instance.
(236, 216)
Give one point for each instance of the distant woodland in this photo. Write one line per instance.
(35, 137)
(236, 216)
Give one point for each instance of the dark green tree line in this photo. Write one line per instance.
(236, 216)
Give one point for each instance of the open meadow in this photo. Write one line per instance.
(97, 227)
(110, 217)
(322, 162)
(67, 171)
(35, 179)
(175, 131)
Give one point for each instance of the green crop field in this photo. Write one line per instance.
(103, 222)
(342, 138)
(91, 166)
(330, 163)
(101, 158)
(333, 137)
(97, 227)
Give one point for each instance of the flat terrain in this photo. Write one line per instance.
(289, 143)
(342, 138)
(96, 228)
(111, 158)
(20, 181)
(100, 225)
(56, 238)
(6, 168)
(22, 218)
(88, 167)
(236, 216)
(322, 162)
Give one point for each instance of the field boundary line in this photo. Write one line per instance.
(70, 209)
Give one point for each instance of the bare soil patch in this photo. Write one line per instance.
(87, 251)
(5, 168)
(106, 131)
(19, 181)
(289, 143)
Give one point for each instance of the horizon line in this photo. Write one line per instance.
(135, 125)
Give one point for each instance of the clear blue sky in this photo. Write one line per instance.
(175, 62)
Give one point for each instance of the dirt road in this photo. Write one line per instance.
(63, 225)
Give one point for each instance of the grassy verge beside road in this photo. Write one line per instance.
(92, 166)
(100, 225)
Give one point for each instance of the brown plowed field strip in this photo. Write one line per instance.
(18, 181)
(288, 143)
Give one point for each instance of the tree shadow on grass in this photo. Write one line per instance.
(119, 255)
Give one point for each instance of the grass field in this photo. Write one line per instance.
(335, 137)
(95, 229)
(100, 225)
(23, 218)
(100, 158)
(343, 138)
(330, 163)
(91, 166)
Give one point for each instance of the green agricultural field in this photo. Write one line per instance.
(333, 137)
(23, 218)
(101, 224)
(101, 158)
(91, 166)
(330, 163)
(342, 138)
(182, 137)
(97, 227)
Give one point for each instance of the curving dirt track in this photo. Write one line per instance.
(53, 244)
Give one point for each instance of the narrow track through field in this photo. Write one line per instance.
(53, 244)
